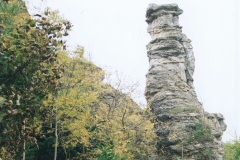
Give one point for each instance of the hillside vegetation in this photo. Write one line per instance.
(53, 102)
(232, 150)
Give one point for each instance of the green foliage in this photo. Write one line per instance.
(43, 86)
(29, 71)
(10, 11)
(232, 150)
(108, 153)
(76, 100)
(206, 154)
(201, 133)
(93, 115)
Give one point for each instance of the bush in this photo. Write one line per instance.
(201, 133)
(232, 150)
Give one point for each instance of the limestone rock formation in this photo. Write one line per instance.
(184, 129)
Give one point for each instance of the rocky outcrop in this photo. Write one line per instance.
(184, 129)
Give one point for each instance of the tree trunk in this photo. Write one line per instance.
(24, 141)
(56, 135)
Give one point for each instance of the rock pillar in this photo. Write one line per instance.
(184, 129)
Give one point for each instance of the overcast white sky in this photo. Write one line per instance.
(115, 34)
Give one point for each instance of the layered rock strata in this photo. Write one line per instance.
(184, 129)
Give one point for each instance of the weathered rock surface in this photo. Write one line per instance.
(184, 129)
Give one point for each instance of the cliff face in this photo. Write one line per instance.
(184, 129)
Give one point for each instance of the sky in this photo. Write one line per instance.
(114, 34)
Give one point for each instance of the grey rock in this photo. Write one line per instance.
(178, 115)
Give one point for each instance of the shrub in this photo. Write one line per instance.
(201, 133)
(232, 150)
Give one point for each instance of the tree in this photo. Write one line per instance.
(94, 120)
(232, 149)
(54, 103)
(127, 127)
(29, 71)
(73, 106)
